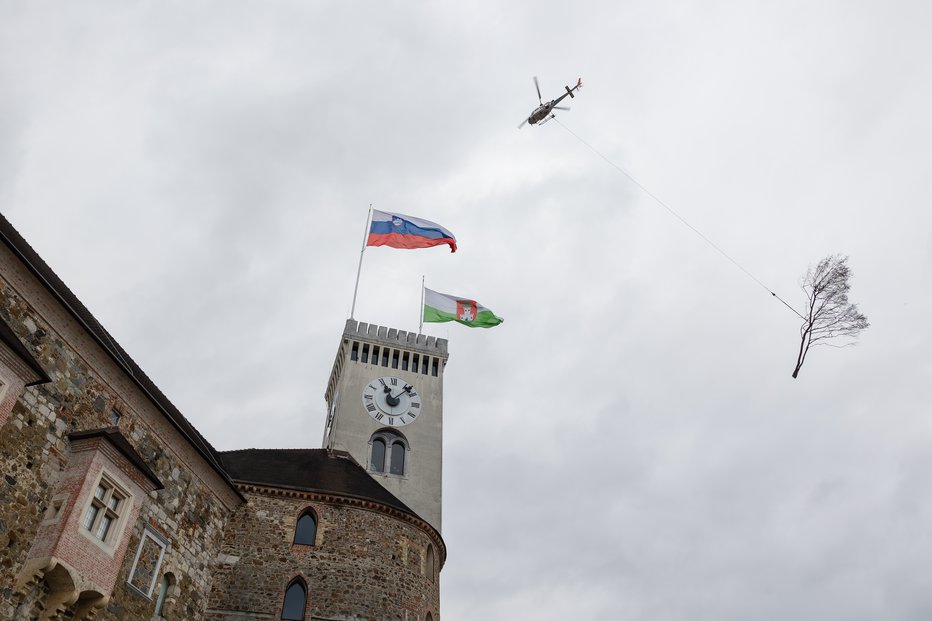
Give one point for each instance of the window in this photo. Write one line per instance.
(305, 532)
(104, 511)
(395, 359)
(295, 601)
(430, 562)
(115, 417)
(384, 356)
(377, 463)
(390, 445)
(429, 617)
(404, 361)
(435, 367)
(365, 353)
(354, 352)
(168, 581)
(145, 569)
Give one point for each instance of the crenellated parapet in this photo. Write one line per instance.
(396, 337)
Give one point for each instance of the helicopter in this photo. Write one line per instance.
(543, 113)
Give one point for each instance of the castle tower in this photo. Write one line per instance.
(385, 408)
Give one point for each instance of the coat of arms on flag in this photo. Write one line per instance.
(466, 310)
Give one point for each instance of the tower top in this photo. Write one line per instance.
(393, 336)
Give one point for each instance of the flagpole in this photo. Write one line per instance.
(420, 327)
(365, 238)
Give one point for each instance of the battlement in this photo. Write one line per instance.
(393, 336)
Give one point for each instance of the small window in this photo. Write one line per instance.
(115, 417)
(305, 532)
(377, 463)
(428, 617)
(430, 562)
(415, 360)
(104, 511)
(168, 581)
(354, 351)
(434, 367)
(384, 356)
(375, 355)
(395, 359)
(404, 361)
(295, 601)
(365, 353)
(424, 365)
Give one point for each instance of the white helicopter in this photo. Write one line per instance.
(543, 113)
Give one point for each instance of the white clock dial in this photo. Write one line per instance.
(391, 401)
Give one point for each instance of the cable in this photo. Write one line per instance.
(677, 216)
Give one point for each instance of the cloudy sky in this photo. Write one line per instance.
(629, 444)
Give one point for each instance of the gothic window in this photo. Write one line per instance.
(295, 601)
(389, 453)
(104, 511)
(430, 562)
(305, 532)
(429, 617)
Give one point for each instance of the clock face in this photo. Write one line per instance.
(391, 401)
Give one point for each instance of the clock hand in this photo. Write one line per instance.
(407, 389)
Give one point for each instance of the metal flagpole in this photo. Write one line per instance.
(365, 238)
(420, 327)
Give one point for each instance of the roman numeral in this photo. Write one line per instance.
(370, 407)
(391, 420)
(382, 381)
(379, 416)
(416, 405)
(368, 397)
(412, 394)
(413, 415)
(372, 387)
(394, 381)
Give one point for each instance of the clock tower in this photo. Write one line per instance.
(385, 408)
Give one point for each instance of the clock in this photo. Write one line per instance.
(391, 401)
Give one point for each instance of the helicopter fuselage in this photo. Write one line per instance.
(540, 113)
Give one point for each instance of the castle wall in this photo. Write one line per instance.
(87, 385)
(365, 564)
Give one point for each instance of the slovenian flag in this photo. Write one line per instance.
(439, 307)
(400, 231)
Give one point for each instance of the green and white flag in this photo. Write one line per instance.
(439, 307)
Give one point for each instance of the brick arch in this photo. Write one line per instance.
(300, 579)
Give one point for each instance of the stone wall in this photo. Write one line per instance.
(365, 564)
(190, 512)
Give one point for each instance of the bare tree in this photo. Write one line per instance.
(829, 315)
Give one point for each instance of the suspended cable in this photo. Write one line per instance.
(677, 216)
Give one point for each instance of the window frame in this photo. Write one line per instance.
(301, 582)
(116, 514)
(162, 543)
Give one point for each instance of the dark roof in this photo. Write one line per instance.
(10, 339)
(119, 441)
(317, 470)
(54, 285)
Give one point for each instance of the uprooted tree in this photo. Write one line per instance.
(829, 315)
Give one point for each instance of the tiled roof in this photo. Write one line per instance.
(119, 441)
(316, 470)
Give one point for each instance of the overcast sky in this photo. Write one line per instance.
(629, 444)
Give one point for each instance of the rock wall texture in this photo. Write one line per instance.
(365, 564)
(86, 389)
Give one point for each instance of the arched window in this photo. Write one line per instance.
(430, 562)
(295, 601)
(377, 463)
(389, 453)
(398, 458)
(168, 581)
(305, 531)
(429, 617)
